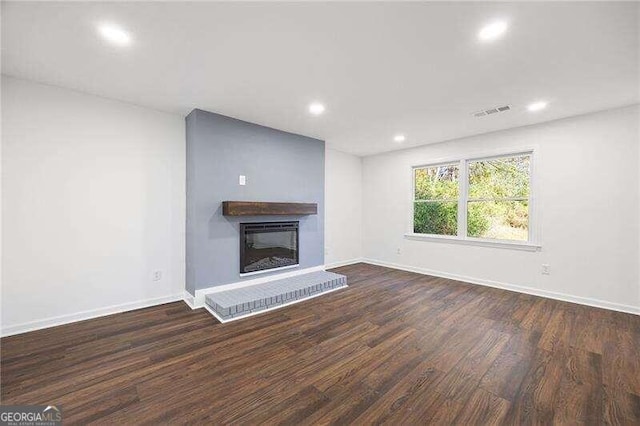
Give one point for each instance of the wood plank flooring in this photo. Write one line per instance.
(394, 348)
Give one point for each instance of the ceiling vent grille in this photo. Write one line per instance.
(491, 111)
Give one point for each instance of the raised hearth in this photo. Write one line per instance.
(241, 302)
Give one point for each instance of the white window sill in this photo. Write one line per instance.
(513, 245)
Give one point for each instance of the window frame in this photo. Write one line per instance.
(453, 200)
(533, 241)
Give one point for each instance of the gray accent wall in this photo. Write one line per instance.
(278, 166)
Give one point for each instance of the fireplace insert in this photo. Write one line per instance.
(268, 245)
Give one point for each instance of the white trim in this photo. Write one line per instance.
(189, 299)
(251, 314)
(200, 293)
(511, 287)
(454, 162)
(85, 315)
(503, 244)
(480, 200)
(343, 263)
(463, 206)
(479, 155)
(264, 271)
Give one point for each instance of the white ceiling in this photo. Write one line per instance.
(380, 68)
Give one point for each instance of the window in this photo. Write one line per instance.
(435, 205)
(498, 199)
(474, 199)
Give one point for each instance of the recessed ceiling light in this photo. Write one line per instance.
(316, 108)
(492, 31)
(114, 34)
(399, 138)
(537, 106)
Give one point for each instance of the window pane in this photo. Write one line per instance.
(439, 218)
(436, 183)
(502, 220)
(500, 177)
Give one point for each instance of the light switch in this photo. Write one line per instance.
(242, 180)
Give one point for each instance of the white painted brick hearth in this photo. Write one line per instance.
(241, 302)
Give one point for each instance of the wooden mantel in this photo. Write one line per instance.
(256, 208)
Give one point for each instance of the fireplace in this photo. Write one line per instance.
(266, 246)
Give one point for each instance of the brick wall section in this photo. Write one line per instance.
(246, 300)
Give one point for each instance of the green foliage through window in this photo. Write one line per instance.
(502, 220)
(499, 178)
(439, 218)
(437, 183)
(498, 198)
(440, 186)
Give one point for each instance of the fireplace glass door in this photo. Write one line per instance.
(268, 245)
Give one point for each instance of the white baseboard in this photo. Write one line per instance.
(343, 263)
(198, 300)
(520, 289)
(85, 315)
(251, 314)
(189, 299)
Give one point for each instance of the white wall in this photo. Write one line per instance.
(343, 207)
(93, 202)
(93, 194)
(587, 174)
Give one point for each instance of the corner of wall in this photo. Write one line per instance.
(343, 192)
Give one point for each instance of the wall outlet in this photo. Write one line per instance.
(326, 251)
(398, 251)
(242, 180)
(546, 269)
(157, 275)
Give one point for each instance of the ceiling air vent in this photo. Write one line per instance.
(491, 111)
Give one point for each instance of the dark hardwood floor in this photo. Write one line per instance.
(395, 347)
